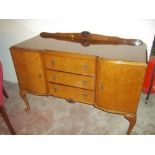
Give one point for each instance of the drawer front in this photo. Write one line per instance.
(71, 63)
(77, 94)
(69, 79)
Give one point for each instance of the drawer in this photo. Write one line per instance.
(72, 63)
(67, 92)
(80, 81)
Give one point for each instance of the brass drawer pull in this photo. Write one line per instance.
(85, 66)
(85, 82)
(85, 95)
(54, 77)
(52, 62)
(55, 89)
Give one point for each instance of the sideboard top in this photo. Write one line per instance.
(107, 51)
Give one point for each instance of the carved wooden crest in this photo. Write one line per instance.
(86, 38)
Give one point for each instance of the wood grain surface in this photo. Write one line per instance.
(29, 69)
(119, 85)
(67, 92)
(69, 79)
(79, 64)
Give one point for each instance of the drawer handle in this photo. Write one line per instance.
(85, 95)
(85, 82)
(85, 66)
(54, 77)
(52, 62)
(55, 90)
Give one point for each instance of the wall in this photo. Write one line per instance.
(15, 31)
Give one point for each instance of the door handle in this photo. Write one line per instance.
(39, 76)
(101, 87)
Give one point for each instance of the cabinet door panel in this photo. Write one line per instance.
(29, 69)
(119, 85)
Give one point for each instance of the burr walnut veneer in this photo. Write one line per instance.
(106, 72)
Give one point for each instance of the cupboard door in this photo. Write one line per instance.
(29, 68)
(119, 85)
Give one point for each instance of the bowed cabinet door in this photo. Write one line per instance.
(119, 85)
(29, 69)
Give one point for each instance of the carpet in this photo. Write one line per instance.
(55, 116)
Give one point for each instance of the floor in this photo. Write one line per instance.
(54, 116)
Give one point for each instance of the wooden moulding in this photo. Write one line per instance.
(86, 38)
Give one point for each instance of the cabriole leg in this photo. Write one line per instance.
(23, 96)
(132, 121)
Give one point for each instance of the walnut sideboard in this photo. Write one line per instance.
(106, 72)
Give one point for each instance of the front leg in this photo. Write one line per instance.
(132, 121)
(22, 93)
(7, 120)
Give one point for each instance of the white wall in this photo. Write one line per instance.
(15, 31)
